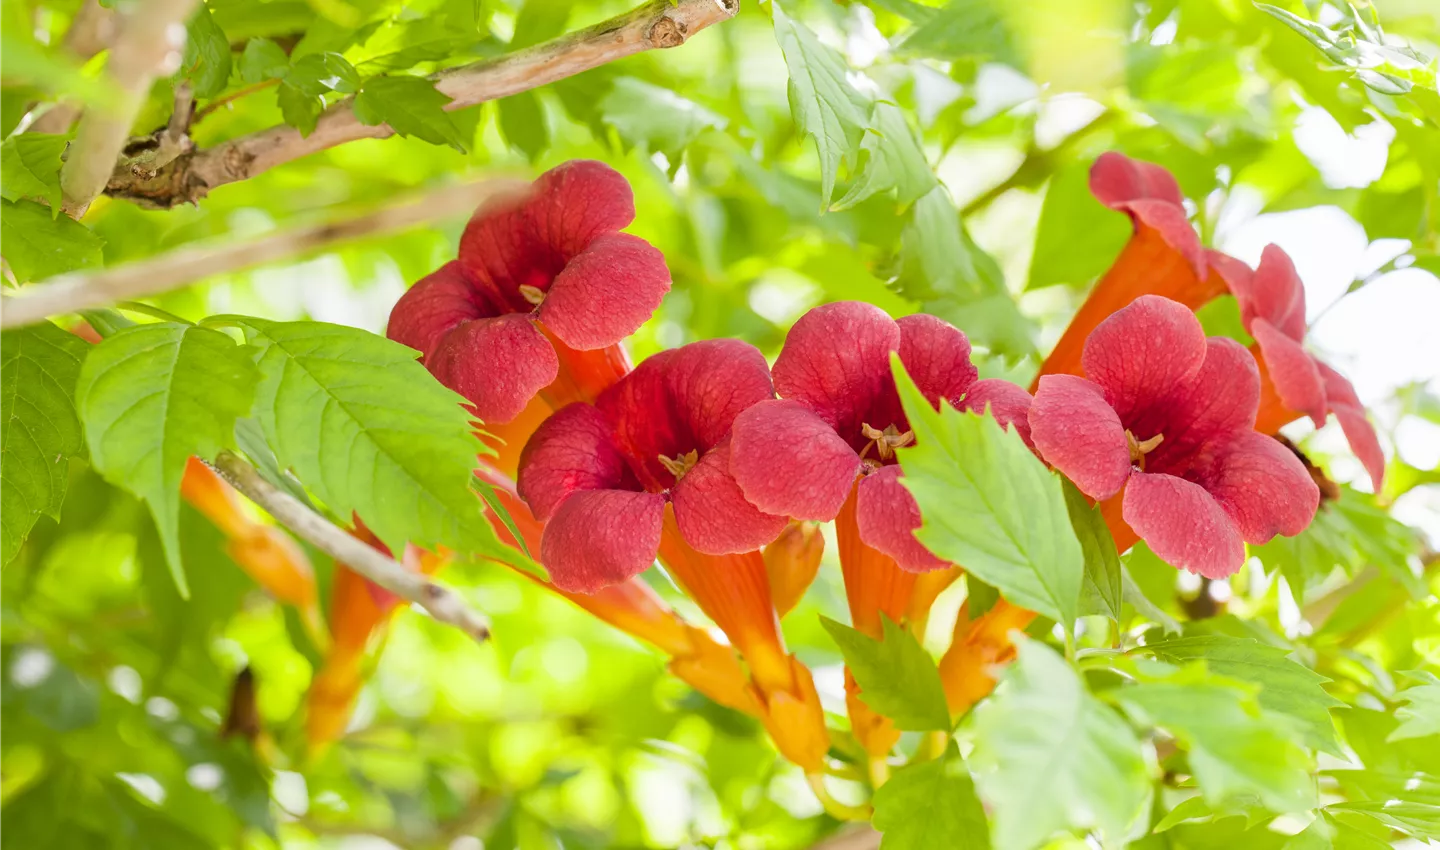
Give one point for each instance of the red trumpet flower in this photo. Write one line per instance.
(1168, 417)
(839, 415)
(544, 287)
(1292, 381)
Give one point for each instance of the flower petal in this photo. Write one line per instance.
(1358, 431)
(712, 513)
(1263, 486)
(1217, 402)
(434, 306)
(788, 461)
(1183, 525)
(1292, 370)
(573, 450)
(712, 381)
(1006, 402)
(836, 360)
(1275, 295)
(936, 354)
(597, 538)
(606, 292)
(1076, 431)
(887, 516)
(576, 201)
(1142, 352)
(1116, 179)
(497, 364)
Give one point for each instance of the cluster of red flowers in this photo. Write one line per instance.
(719, 465)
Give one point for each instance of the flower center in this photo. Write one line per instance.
(680, 464)
(884, 442)
(534, 294)
(1140, 448)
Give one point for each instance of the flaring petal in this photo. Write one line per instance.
(605, 292)
(573, 450)
(1292, 370)
(1263, 486)
(713, 514)
(1183, 524)
(836, 361)
(712, 381)
(597, 538)
(1358, 431)
(1276, 295)
(1006, 402)
(1220, 400)
(497, 364)
(1117, 179)
(1142, 352)
(887, 516)
(789, 461)
(433, 307)
(1076, 431)
(936, 354)
(576, 201)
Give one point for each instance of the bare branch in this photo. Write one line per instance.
(149, 36)
(90, 32)
(657, 24)
(69, 293)
(442, 603)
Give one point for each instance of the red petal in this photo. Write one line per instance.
(573, 450)
(1008, 403)
(1235, 274)
(836, 360)
(1078, 433)
(1116, 179)
(1142, 352)
(606, 292)
(578, 200)
(789, 462)
(711, 382)
(1358, 430)
(1183, 524)
(497, 364)
(936, 354)
(1263, 486)
(712, 513)
(597, 538)
(1292, 370)
(1219, 401)
(434, 306)
(1276, 295)
(887, 516)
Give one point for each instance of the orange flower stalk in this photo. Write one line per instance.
(792, 560)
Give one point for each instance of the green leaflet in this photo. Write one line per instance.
(897, 678)
(931, 805)
(38, 245)
(412, 106)
(30, 165)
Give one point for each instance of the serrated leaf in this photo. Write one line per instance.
(1050, 757)
(1235, 751)
(371, 433)
(300, 110)
(522, 121)
(931, 805)
(1286, 686)
(655, 117)
(893, 159)
(823, 102)
(38, 246)
(1102, 591)
(263, 60)
(412, 106)
(991, 505)
(1408, 801)
(207, 54)
(150, 397)
(963, 29)
(30, 165)
(320, 73)
(1420, 716)
(1416, 819)
(897, 677)
(39, 429)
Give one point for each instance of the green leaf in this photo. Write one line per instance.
(1286, 686)
(1236, 751)
(38, 245)
(320, 73)
(1064, 253)
(1328, 833)
(30, 166)
(963, 29)
(897, 677)
(1420, 820)
(1408, 801)
(263, 60)
(931, 805)
(1102, 591)
(207, 55)
(893, 158)
(300, 110)
(150, 397)
(1050, 757)
(823, 102)
(656, 118)
(522, 120)
(371, 433)
(991, 505)
(39, 429)
(412, 107)
(1421, 716)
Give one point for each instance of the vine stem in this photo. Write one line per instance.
(442, 603)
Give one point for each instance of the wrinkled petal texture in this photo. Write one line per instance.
(573, 450)
(789, 461)
(433, 307)
(1142, 352)
(1217, 402)
(714, 516)
(1358, 430)
(497, 364)
(1076, 431)
(936, 355)
(836, 361)
(1150, 195)
(887, 516)
(1184, 525)
(1275, 294)
(597, 538)
(1292, 370)
(606, 292)
(1006, 402)
(1262, 485)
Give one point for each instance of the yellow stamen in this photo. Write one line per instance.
(534, 294)
(1140, 448)
(885, 442)
(680, 464)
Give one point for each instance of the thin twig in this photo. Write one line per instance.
(233, 96)
(90, 32)
(70, 293)
(147, 44)
(657, 24)
(443, 604)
